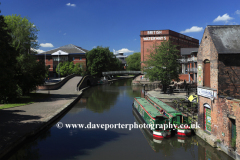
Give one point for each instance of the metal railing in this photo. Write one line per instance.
(183, 60)
(192, 70)
(121, 72)
(194, 59)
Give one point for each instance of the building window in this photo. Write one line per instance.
(186, 69)
(73, 58)
(48, 66)
(48, 59)
(80, 58)
(206, 73)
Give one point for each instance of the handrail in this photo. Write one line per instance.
(80, 82)
(122, 72)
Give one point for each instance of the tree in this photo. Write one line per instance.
(29, 73)
(23, 33)
(134, 62)
(8, 84)
(162, 64)
(67, 68)
(101, 60)
(115, 64)
(78, 69)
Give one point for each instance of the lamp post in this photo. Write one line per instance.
(58, 66)
(144, 89)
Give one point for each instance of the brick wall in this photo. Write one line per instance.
(221, 108)
(208, 51)
(224, 77)
(222, 124)
(229, 75)
(181, 41)
(201, 101)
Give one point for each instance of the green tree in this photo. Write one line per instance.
(115, 64)
(101, 60)
(8, 54)
(29, 73)
(63, 68)
(23, 33)
(78, 69)
(162, 64)
(134, 62)
(67, 68)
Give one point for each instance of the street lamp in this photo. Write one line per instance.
(58, 67)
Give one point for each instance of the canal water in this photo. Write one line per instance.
(110, 104)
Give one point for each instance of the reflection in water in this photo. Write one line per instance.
(189, 144)
(79, 106)
(167, 146)
(110, 104)
(102, 98)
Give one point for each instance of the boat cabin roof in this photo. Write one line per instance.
(149, 107)
(164, 106)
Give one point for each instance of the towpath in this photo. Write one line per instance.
(166, 97)
(19, 122)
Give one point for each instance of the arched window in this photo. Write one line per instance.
(206, 73)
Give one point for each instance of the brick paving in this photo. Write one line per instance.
(166, 97)
(19, 122)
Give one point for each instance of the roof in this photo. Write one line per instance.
(188, 51)
(70, 48)
(148, 107)
(225, 38)
(164, 106)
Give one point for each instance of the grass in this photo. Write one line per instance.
(25, 100)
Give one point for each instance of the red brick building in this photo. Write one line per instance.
(219, 86)
(69, 53)
(155, 37)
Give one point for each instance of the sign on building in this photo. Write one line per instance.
(200, 76)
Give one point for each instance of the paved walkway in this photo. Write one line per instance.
(19, 122)
(166, 97)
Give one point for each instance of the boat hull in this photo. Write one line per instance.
(184, 132)
(150, 120)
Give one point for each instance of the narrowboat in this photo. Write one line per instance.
(175, 117)
(152, 117)
(145, 132)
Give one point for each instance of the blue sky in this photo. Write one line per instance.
(117, 23)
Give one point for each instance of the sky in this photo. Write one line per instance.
(117, 23)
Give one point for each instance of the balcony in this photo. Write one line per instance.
(194, 70)
(194, 59)
(183, 60)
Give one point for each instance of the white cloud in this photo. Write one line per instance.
(72, 5)
(224, 18)
(124, 50)
(37, 50)
(237, 12)
(193, 29)
(94, 47)
(46, 45)
(64, 34)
